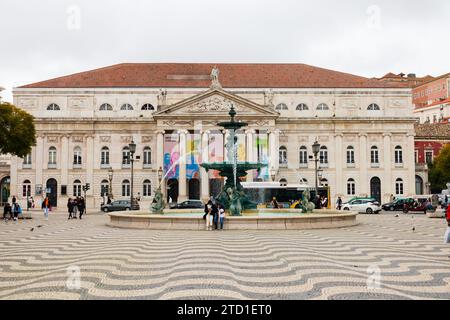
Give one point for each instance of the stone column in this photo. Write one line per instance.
(159, 154)
(65, 158)
(249, 151)
(274, 162)
(204, 196)
(339, 159)
(39, 164)
(410, 163)
(14, 183)
(182, 188)
(90, 170)
(387, 183)
(363, 186)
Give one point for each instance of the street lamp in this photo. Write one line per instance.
(132, 147)
(110, 176)
(160, 175)
(316, 149)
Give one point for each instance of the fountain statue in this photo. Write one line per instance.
(158, 202)
(306, 205)
(232, 196)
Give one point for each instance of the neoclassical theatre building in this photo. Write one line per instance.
(86, 121)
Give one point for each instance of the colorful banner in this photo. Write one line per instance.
(171, 156)
(193, 156)
(262, 149)
(215, 154)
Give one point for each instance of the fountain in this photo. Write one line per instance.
(232, 196)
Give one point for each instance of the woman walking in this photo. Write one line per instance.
(45, 207)
(209, 216)
(81, 206)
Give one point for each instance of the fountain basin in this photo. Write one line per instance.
(288, 219)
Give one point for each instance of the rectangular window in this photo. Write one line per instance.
(350, 156)
(428, 156)
(303, 157)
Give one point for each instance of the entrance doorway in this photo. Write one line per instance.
(375, 188)
(194, 189)
(52, 192)
(172, 190)
(419, 185)
(4, 190)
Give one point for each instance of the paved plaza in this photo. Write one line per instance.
(382, 258)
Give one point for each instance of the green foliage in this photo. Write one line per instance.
(17, 132)
(439, 170)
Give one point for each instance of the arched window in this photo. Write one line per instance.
(126, 159)
(106, 107)
(104, 188)
(52, 157)
(126, 188)
(281, 106)
(283, 182)
(303, 156)
(350, 155)
(324, 182)
(323, 155)
(147, 156)
(147, 188)
(374, 159)
(104, 156)
(301, 107)
(126, 106)
(26, 188)
(282, 153)
(399, 186)
(27, 161)
(398, 155)
(303, 181)
(77, 157)
(147, 106)
(373, 107)
(323, 106)
(53, 107)
(351, 189)
(77, 188)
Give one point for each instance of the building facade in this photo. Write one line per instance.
(85, 122)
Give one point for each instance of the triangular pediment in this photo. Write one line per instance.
(214, 103)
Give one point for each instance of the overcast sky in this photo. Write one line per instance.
(44, 39)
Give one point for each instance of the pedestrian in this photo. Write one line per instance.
(339, 203)
(208, 215)
(391, 198)
(221, 216)
(7, 210)
(275, 203)
(16, 211)
(109, 200)
(215, 214)
(447, 233)
(75, 208)
(70, 208)
(32, 202)
(45, 207)
(81, 206)
(324, 202)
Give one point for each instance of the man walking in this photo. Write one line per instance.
(45, 207)
(339, 203)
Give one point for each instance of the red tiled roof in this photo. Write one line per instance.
(433, 130)
(196, 75)
(446, 101)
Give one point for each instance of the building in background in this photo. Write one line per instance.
(429, 141)
(407, 81)
(432, 100)
(84, 123)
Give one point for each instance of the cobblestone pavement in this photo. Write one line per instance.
(144, 264)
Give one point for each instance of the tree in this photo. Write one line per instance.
(439, 170)
(17, 132)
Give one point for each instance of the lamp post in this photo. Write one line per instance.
(160, 175)
(132, 147)
(110, 177)
(316, 149)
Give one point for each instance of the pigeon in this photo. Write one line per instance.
(397, 215)
(32, 229)
(40, 226)
(414, 229)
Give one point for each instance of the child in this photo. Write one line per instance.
(221, 216)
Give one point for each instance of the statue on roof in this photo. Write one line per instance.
(162, 97)
(215, 84)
